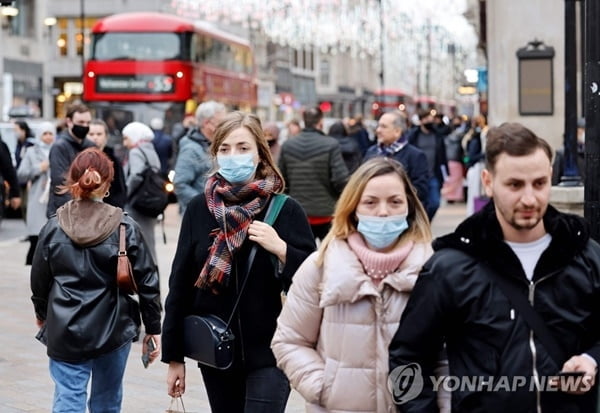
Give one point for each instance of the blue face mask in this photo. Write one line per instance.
(236, 168)
(381, 232)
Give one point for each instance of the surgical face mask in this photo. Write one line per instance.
(237, 168)
(381, 232)
(80, 131)
(429, 126)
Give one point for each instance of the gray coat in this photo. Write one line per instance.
(37, 201)
(135, 165)
(191, 168)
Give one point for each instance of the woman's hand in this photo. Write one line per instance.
(156, 352)
(176, 379)
(266, 236)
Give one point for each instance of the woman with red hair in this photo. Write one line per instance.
(86, 322)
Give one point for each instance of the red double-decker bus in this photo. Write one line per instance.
(387, 100)
(144, 65)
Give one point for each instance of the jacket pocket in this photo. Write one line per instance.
(329, 373)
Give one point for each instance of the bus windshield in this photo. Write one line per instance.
(138, 46)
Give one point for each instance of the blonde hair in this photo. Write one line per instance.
(236, 120)
(344, 217)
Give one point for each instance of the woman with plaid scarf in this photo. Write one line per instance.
(218, 230)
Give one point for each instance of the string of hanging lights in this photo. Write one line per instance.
(332, 26)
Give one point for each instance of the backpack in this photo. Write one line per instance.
(150, 198)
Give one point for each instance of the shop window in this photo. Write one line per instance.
(62, 41)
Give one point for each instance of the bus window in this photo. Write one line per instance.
(137, 46)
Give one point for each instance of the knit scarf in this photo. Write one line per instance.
(378, 265)
(234, 207)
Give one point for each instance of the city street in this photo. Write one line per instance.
(25, 385)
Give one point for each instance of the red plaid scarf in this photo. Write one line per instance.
(234, 208)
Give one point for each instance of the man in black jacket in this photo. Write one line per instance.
(518, 243)
(69, 143)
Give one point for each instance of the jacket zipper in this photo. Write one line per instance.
(533, 347)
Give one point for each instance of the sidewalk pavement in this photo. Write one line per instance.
(25, 384)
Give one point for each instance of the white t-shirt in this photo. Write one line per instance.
(529, 253)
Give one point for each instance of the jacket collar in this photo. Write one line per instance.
(197, 136)
(480, 236)
(344, 279)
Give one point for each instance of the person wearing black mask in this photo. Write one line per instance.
(429, 141)
(69, 143)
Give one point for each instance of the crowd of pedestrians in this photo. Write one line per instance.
(345, 297)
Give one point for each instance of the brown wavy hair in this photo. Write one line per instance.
(236, 120)
(89, 176)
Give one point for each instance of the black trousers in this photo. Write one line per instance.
(236, 390)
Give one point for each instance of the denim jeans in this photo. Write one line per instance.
(434, 199)
(236, 390)
(71, 382)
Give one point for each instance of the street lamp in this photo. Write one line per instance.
(571, 172)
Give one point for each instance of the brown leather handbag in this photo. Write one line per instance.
(125, 279)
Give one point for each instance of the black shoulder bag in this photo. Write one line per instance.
(531, 317)
(207, 338)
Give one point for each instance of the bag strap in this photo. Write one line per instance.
(277, 201)
(147, 162)
(122, 247)
(146, 165)
(272, 212)
(531, 316)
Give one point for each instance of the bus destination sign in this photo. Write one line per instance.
(135, 84)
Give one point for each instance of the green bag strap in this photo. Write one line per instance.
(277, 200)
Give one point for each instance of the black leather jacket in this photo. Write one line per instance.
(75, 292)
(455, 301)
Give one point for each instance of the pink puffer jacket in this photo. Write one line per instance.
(334, 331)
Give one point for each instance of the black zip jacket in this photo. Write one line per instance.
(62, 153)
(260, 305)
(455, 301)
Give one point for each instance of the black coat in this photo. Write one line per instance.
(455, 301)
(62, 153)
(8, 171)
(118, 190)
(441, 163)
(260, 305)
(75, 292)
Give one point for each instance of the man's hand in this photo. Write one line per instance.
(578, 385)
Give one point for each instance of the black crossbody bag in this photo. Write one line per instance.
(207, 338)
